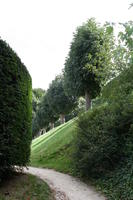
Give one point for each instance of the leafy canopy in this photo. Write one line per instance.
(59, 102)
(89, 59)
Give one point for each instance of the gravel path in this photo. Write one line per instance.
(64, 186)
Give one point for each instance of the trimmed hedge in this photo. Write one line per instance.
(15, 110)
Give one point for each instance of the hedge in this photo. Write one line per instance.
(104, 144)
(15, 110)
(97, 142)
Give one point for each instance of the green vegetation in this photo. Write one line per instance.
(98, 146)
(60, 103)
(89, 60)
(15, 110)
(54, 149)
(25, 187)
(37, 95)
(87, 68)
(116, 180)
(45, 114)
(104, 146)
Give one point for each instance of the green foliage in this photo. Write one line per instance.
(119, 87)
(15, 110)
(89, 59)
(44, 116)
(97, 142)
(104, 147)
(45, 113)
(123, 51)
(80, 108)
(59, 102)
(37, 95)
(38, 92)
(104, 142)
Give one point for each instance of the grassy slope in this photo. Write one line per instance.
(53, 149)
(25, 187)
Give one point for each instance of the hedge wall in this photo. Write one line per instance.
(15, 110)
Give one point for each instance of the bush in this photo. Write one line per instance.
(96, 142)
(104, 146)
(15, 110)
(102, 135)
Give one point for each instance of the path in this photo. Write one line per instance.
(66, 187)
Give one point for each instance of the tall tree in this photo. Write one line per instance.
(44, 116)
(60, 103)
(37, 95)
(88, 60)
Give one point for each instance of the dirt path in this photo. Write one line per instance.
(65, 186)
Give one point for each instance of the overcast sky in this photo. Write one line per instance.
(40, 31)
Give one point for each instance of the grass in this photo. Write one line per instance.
(54, 149)
(25, 187)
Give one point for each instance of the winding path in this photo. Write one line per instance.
(64, 186)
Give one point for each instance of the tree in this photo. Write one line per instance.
(37, 95)
(38, 92)
(48, 114)
(88, 60)
(127, 38)
(60, 103)
(44, 116)
(78, 110)
(123, 61)
(122, 53)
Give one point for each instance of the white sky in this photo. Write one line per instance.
(40, 31)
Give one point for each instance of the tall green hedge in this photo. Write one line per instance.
(15, 110)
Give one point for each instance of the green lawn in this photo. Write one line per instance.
(25, 187)
(54, 149)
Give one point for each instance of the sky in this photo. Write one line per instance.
(40, 31)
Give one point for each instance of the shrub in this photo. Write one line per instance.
(104, 146)
(96, 142)
(102, 136)
(15, 110)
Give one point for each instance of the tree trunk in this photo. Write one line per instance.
(51, 125)
(88, 100)
(39, 133)
(44, 130)
(62, 118)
